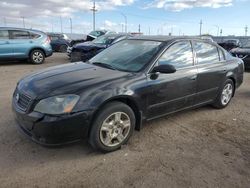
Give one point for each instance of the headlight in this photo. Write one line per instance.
(57, 105)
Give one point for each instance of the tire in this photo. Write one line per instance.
(107, 134)
(75, 56)
(37, 57)
(225, 95)
(63, 48)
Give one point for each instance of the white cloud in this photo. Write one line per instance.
(47, 8)
(179, 5)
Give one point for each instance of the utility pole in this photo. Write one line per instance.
(149, 30)
(5, 22)
(61, 24)
(179, 32)
(139, 29)
(23, 22)
(122, 27)
(126, 21)
(201, 27)
(221, 32)
(70, 25)
(94, 11)
(218, 29)
(246, 30)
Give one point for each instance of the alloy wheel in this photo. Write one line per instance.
(37, 57)
(115, 129)
(227, 94)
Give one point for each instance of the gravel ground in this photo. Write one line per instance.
(199, 148)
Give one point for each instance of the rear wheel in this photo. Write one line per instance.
(112, 127)
(63, 48)
(225, 95)
(37, 57)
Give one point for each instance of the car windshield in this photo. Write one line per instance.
(96, 33)
(246, 44)
(104, 40)
(128, 55)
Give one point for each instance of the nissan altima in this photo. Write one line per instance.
(115, 92)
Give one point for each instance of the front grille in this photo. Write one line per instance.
(23, 101)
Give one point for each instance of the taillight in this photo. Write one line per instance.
(48, 40)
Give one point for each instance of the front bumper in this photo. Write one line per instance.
(69, 50)
(49, 53)
(53, 130)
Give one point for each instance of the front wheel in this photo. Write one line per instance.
(112, 127)
(37, 57)
(225, 95)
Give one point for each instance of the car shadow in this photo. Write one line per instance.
(21, 151)
(12, 63)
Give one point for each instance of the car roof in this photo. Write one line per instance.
(116, 35)
(162, 38)
(22, 29)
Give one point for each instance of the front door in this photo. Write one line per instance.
(175, 91)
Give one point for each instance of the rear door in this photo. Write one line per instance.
(211, 71)
(6, 49)
(21, 42)
(176, 91)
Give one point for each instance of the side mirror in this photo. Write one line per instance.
(165, 69)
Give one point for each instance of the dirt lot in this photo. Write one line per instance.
(199, 148)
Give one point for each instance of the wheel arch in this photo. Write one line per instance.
(126, 100)
(37, 48)
(230, 76)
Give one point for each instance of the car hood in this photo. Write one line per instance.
(68, 78)
(245, 51)
(89, 46)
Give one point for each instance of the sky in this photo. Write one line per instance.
(179, 17)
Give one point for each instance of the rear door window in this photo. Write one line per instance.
(4, 34)
(206, 53)
(221, 53)
(34, 35)
(17, 34)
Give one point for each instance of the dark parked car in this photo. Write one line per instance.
(243, 52)
(87, 50)
(90, 37)
(59, 42)
(132, 81)
(230, 44)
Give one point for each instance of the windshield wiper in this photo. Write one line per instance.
(104, 65)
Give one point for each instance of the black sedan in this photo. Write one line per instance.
(243, 52)
(87, 50)
(133, 81)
